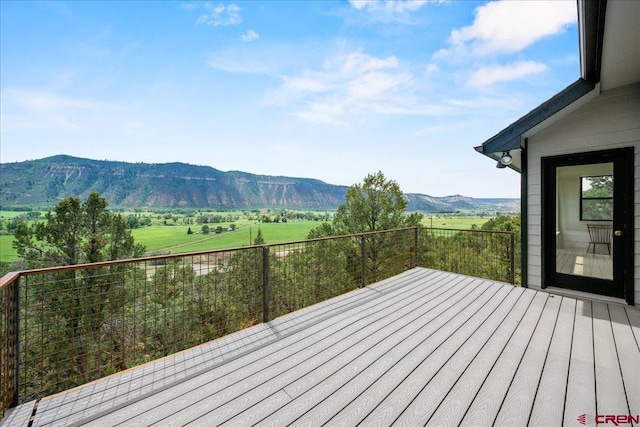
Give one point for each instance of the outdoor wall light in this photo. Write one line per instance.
(506, 159)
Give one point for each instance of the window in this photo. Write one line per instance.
(596, 198)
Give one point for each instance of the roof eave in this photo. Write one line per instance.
(591, 19)
(510, 138)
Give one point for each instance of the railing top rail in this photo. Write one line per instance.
(469, 230)
(8, 278)
(342, 236)
(390, 231)
(128, 261)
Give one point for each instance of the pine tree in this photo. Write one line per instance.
(259, 240)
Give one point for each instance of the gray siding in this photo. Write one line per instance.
(611, 120)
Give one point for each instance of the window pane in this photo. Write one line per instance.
(597, 198)
(597, 186)
(597, 209)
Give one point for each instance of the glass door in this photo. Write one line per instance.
(588, 222)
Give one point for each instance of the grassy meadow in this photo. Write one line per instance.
(7, 253)
(174, 239)
(159, 238)
(458, 222)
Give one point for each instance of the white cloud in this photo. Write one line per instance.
(350, 87)
(361, 4)
(250, 35)
(388, 6)
(251, 63)
(221, 15)
(188, 6)
(431, 68)
(486, 76)
(261, 58)
(303, 84)
(403, 12)
(374, 84)
(510, 26)
(360, 63)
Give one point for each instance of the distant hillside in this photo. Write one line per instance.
(178, 185)
(424, 203)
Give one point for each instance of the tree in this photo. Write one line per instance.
(511, 224)
(598, 186)
(376, 204)
(259, 240)
(75, 233)
(77, 306)
(245, 284)
(205, 229)
(596, 201)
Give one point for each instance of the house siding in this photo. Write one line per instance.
(611, 120)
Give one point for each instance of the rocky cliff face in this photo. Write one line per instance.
(178, 185)
(159, 185)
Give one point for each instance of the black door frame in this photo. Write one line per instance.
(623, 219)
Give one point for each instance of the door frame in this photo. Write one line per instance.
(623, 219)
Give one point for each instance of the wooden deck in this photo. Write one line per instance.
(422, 348)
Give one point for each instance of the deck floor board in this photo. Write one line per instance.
(581, 384)
(628, 356)
(422, 348)
(610, 391)
(553, 383)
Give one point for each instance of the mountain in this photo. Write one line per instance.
(179, 185)
(424, 203)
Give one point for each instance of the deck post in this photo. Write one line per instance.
(363, 260)
(15, 398)
(415, 246)
(512, 259)
(265, 284)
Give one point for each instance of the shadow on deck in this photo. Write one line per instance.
(423, 347)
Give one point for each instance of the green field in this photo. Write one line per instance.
(458, 222)
(163, 239)
(10, 214)
(174, 239)
(7, 253)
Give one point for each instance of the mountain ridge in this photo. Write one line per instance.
(182, 185)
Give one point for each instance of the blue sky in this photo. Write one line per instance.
(331, 90)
